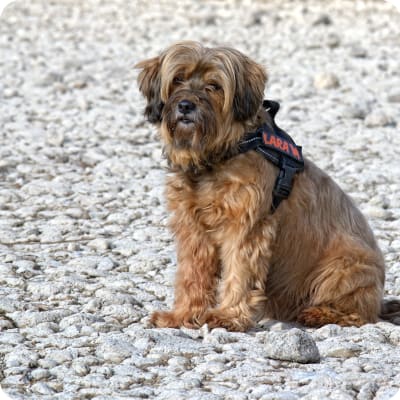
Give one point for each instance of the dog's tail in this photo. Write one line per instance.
(390, 310)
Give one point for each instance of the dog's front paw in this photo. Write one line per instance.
(165, 319)
(222, 319)
(173, 319)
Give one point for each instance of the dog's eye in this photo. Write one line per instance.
(177, 80)
(213, 87)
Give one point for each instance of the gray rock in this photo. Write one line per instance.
(293, 345)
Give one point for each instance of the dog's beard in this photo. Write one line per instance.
(186, 132)
(193, 133)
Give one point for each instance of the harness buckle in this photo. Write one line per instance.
(283, 183)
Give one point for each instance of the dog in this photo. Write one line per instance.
(310, 258)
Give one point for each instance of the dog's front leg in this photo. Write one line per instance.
(196, 279)
(244, 276)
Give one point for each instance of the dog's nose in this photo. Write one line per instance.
(186, 106)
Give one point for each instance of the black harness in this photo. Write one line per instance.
(280, 149)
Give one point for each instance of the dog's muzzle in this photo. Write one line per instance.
(185, 111)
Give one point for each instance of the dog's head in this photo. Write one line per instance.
(202, 99)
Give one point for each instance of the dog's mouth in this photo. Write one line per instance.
(185, 120)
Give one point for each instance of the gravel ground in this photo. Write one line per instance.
(84, 252)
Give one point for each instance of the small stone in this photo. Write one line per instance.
(55, 138)
(285, 395)
(218, 336)
(50, 78)
(99, 244)
(184, 384)
(8, 93)
(72, 331)
(330, 348)
(25, 268)
(40, 374)
(318, 394)
(60, 87)
(79, 84)
(273, 325)
(75, 213)
(11, 338)
(125, 247)
(115, 349)
(358, 110)
(193, 333)
(11, 381)
(394, 96)
(47, 363)
(80, 369)
(42, 388)
(327, 331)
(32, 318)
(179, 364)
(333, 40)
(93, 381)
(92, 157)
(82, 103)
(5, 324)
(105, 264)
(8, 305)
(323, 19)
(21, 356)
(368, 391)
(376, 212)
(59, 356)
(293, 345)
(326, 80)
(118, 218)
(358, 52)
(377, 119)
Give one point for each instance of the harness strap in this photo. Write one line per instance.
(280, 149)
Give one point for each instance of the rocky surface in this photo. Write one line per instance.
(84, 252)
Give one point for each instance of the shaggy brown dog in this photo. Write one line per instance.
(313, 260)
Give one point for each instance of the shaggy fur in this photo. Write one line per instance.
(314, 260)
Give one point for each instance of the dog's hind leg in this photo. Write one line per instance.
(346, 289)
(317, 316)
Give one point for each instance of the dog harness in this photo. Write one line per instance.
(280, 149)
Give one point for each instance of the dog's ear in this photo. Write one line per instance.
(250, 83)
(149, 81)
